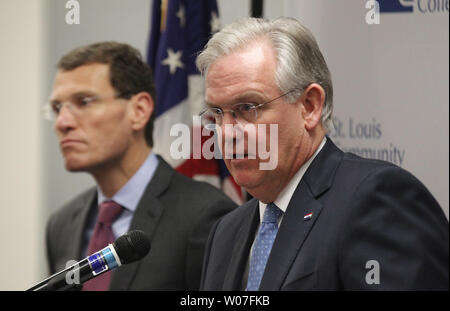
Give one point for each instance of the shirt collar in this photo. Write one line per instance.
(130, 194)
(283, 199)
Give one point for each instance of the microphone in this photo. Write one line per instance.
(128, 248)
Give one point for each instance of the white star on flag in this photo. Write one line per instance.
(181, 14)
(173, 60)
(215, 22)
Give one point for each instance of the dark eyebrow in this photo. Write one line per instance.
(53, 101)
(77, 95)
(82, 94)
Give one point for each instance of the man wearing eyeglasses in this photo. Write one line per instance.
(102, 106)
(322, 219)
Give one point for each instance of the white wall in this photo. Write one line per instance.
(22, 79)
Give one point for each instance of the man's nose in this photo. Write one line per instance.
(232, 129)
(229, 117)
(65, 120)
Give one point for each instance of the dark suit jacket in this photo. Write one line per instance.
(175, 212)
(362, 210)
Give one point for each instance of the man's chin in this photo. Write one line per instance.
(76, 166)
(246, 179)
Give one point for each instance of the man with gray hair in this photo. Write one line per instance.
(321, 219)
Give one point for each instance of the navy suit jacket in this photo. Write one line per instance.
(374, 226)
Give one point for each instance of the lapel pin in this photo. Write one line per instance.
(307, 216)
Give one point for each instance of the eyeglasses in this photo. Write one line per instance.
(78, 106)
(241, 112)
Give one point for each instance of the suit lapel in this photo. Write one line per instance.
(301, 214)
(240, 253)
(145, 218)
(292, 233)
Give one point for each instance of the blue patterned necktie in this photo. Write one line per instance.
(263, 244)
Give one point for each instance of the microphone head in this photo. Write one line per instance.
(132, 246)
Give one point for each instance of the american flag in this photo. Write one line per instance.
(179, 31)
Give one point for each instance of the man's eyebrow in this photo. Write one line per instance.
(79, 94)
(209, 104)
(245, 97)
(52, 100)
(250, 96)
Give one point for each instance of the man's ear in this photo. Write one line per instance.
(313, 100)
(142, 109)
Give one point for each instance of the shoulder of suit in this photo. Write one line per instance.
(365, 162)
(241, 212)
(196, 188)
(186, 185)
(75, 205)
(363, 166)
(362, 170)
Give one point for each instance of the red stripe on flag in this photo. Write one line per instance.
(192, 167)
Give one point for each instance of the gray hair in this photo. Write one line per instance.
(299, 59)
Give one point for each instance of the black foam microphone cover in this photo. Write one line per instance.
(132, 246)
